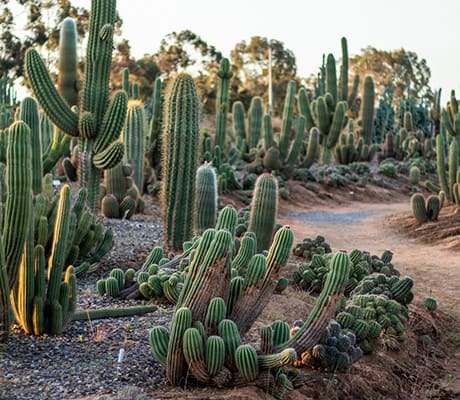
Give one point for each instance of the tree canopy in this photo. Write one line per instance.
(409, 75)
(41, 29)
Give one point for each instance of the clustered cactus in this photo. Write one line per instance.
(210, 320)
(98, 123)
(335, 352)
(309, 246)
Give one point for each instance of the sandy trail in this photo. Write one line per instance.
(434, 269)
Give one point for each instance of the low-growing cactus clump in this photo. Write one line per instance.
(309, 246)
(335, 352)
(375, 320)
(392, 287)
(210, 320)
(310, 276)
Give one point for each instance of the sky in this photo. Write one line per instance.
(310, 29)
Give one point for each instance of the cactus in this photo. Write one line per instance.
(447, 180)
(222, 101)
(28, 113)
(239, 127)
(367, 111)
(255, 113)
(247, 362)
(99, 121)
(180, 135)
(450, 117)
(329, 123)
(206, 198)
(287, 119)
(154, 145)
(430, 303)
(418, 207)
(264, 208)
(215, 354)
(134, 139)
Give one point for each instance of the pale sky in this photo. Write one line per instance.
(308, 28)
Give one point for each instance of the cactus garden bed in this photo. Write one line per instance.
(83, 361)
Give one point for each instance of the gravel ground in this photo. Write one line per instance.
(84, 359)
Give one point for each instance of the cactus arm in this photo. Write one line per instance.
(68, 63)
(52, 102)
(325, 306)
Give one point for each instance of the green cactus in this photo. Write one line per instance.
(450, 117)
(326, 304)
(206, 198)
(433, 207)
(134, 139)
(159, 339)
(215, 354)
(28, 113)
(280, 332)
(194, 354)
(304, 108)
(312, 148)
(255, 114)
(239, 127)
(430, 303)
(447, 180)
(217, 310)
(247, 362)
(331, 79)
(154, 145)
(222, 99)
(264, 208)
(418, 207)
(18, 206)
(99, 121)
(343, 81)
(287, 118)
(367, 111)
(180, 135)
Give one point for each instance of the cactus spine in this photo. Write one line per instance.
(154, 153)
(99, 122)
(180, 148)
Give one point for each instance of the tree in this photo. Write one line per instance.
(40, 30)
(250, 62)
(402, 69)
(143, 71)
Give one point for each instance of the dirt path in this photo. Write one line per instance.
(362, 225)
(435, 269)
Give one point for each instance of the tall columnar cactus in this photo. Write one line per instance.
(154, 152)
(239, 127)
(450, 117)
(134, 138)
(29, 114)
(223, 88)
(45, 301)
(180, 159)
(288, 111)
(206, 198)
(264, 208)
(448, 180)
(17, 216)
(331, 79)
(99, 121)
(330, 123)
(68, 63)
(343, 82)
(19, 200)
(255, 114)
(304, 107)
(367, 111)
